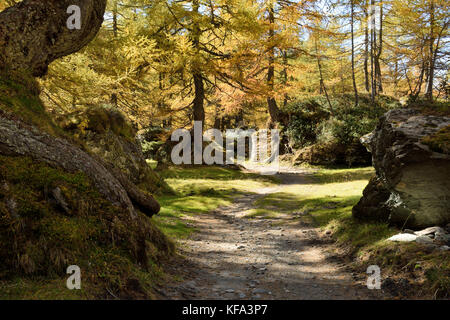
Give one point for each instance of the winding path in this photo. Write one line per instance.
(232, 257)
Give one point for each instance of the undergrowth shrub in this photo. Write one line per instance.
(313, 121)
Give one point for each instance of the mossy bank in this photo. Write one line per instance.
(51, 218)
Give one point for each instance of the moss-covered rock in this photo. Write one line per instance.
(333, 153)
(106, 133)
(19, 95)
(51, 217)
(40, 239)
(439, 141)
(102, 131)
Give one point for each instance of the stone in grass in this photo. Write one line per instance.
(259, 291)
(403, 237)
(424, 240)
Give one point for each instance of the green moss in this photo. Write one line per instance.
(20, 96)
(39, 240)
(435, 108)
(439, 141)
(100, 119)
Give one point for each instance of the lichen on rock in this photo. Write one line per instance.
(105, 132)
(412, 182)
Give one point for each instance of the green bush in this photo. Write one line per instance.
(304, 118)
(312, 120)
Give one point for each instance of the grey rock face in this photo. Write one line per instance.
(431, 238)
(424, 240)
(412, 182)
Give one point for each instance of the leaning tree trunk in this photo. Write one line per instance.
(18, 138)
(33, 33)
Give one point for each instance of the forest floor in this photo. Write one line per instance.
(264, 245)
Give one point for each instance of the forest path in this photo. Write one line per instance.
(233, 257)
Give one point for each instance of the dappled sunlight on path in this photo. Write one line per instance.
(237, 256)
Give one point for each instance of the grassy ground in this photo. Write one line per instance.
(201, 190)
(326, 200)
(118, 256)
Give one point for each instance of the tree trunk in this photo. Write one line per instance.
(271, 102)
(199, 87)
(33, 33)
(396, 79)
(379, 83)
(322, 83)
(372, 53)
(430, 78)
(355, 89)
(366, 49)
(285, 76)
(199, 98)
(418, 87)
(115, 24)
(217, 117)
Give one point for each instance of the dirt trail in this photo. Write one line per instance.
(232, 257)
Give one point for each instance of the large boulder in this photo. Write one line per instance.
(106, 133)
(412, 162)
(333, 153)
(61, 205)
